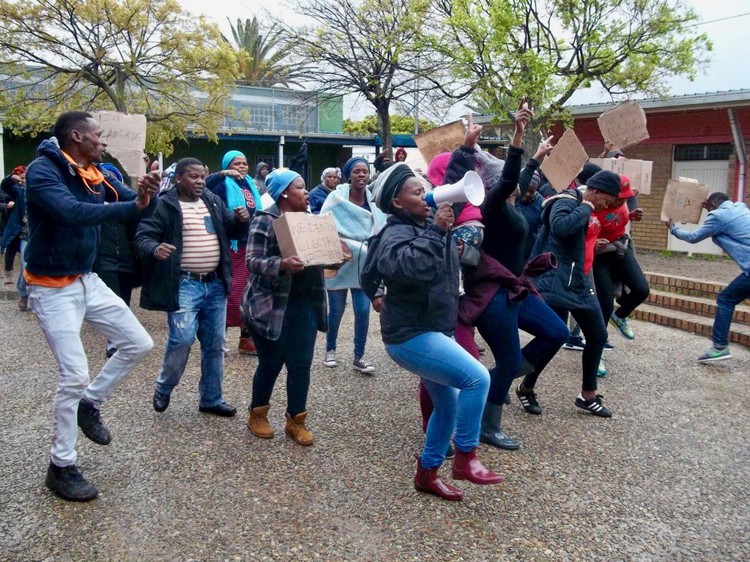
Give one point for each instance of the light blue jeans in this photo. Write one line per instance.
(202, 312)
(60, 313)
(458, 385)
(336, 307)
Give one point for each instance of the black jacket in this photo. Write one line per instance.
(419, 267)
(565, 221)
(161, 278)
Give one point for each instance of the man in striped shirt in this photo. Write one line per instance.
(188, 274)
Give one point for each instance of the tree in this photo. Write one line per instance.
(369, 48)
(548, 49)
(136, 56)
(400, 124)
(261, 56)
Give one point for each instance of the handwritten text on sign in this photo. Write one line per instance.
(565, 161)
(313, 238)
(125, 136)
(624, 126)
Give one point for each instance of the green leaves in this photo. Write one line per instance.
(548, 49)
(139, 56)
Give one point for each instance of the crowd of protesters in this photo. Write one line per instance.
(203, 249)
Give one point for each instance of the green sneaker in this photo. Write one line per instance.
(622, 325)
(601, 370)
(714, 354)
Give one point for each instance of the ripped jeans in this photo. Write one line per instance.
(203, 312)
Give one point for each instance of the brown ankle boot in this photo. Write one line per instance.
(427, 480)
(258, 422)
(466, 466)
(295, 428)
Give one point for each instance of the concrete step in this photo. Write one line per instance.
(685, 285)
(689, 322)
(696, 305)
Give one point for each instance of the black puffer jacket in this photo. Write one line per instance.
(161, 278)
(419, 267)
(565, 221)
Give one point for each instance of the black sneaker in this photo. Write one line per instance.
(594, 406)
(529, 401)
(68, 483)
(90, 422)
(575, 343)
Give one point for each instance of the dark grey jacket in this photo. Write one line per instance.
(564, 224)
(419, 267)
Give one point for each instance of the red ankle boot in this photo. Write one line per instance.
(466, 466)
(427, 480)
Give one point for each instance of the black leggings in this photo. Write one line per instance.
(608, 270)
(120, 282)
(10, 252)
(294, 348)
(595, 331)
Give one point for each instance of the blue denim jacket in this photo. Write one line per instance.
(729, 228)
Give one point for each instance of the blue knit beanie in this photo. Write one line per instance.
(347, 168)
(278, 180)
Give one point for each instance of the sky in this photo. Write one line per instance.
(728, 69)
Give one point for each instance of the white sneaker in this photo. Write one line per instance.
(330, 360)
(363, 366)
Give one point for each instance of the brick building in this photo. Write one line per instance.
(701, 136)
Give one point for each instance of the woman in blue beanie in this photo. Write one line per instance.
(357, 218)
(284, 306)
(236, 189)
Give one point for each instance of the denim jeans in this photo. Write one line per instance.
(458, 385)
(734, 293)
(539, 320)
(60, 313)
(499, 325)
(21, 284)
(336, 307)
(203, 311)
(294, 348)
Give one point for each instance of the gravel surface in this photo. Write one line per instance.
(667, 478)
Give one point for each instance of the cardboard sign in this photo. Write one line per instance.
(445, 138)
(125, 135)
(683, 201)
(624, 126)
(311, 237)
(638, 171)
(564, 163)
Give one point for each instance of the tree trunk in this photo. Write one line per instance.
(384, 125)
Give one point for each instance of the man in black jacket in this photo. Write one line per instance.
(66, 193)
(188, 274)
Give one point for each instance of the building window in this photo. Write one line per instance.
(685, 152)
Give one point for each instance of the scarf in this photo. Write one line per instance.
(91, 175)
(235, 198)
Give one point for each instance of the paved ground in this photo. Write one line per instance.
(667, 478)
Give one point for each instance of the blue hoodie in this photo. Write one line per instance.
(64, 215)
(729, 228)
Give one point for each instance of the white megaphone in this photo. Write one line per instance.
(469, 189)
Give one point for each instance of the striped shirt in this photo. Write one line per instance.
(200, 244)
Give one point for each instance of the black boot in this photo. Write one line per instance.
(492, 432)
(90, 422)
(68, 483)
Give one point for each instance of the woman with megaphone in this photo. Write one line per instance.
(417, 261)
